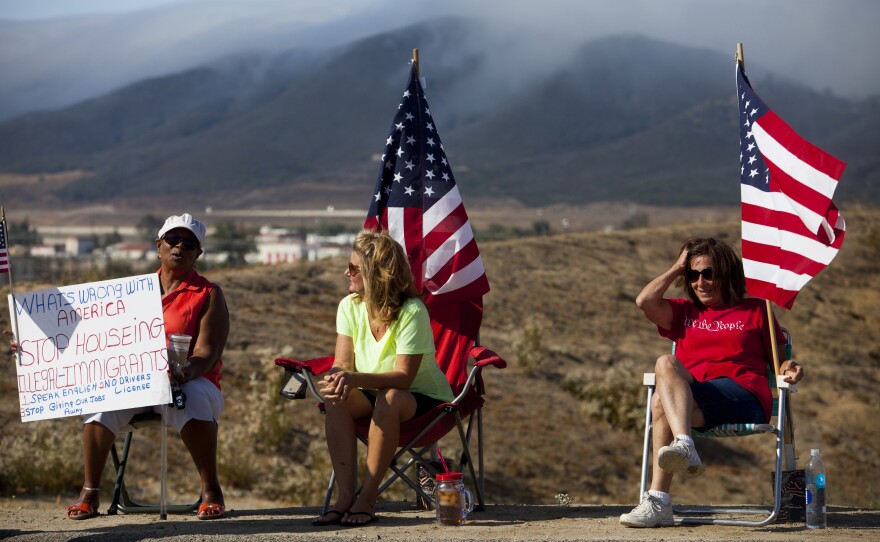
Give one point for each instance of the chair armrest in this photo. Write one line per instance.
(315, 366)
(306, 373)
(781, 384)
(483, 356)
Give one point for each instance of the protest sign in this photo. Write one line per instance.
(91, 347)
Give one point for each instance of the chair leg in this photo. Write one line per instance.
(329, 495)
(119, 464)
(777, 487)
(646, 449)
(482, 473)
(121, 501)
(480, 505)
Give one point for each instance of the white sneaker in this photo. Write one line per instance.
(651, 512)
(680, 458)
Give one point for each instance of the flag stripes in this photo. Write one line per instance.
(791, 229)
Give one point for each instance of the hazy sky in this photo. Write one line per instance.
(48, 9)
(54, 52)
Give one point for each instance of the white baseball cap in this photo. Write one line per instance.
(187, 222)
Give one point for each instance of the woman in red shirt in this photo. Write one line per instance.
(718, 373)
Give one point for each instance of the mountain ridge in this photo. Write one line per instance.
(627, 118)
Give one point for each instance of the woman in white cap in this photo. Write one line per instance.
(193, 306)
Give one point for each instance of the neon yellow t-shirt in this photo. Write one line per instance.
(409, 334)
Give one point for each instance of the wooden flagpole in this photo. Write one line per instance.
(416, 61)
(788, 430)
(11, 286)
(741, 59)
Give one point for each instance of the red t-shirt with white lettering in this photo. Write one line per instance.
(725, 341)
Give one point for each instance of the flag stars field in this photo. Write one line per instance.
(422, 213)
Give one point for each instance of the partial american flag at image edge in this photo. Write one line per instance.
(791, 230)
(4, 251)
(416, 199)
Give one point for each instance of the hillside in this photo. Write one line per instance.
(561, 312)
(626, 119)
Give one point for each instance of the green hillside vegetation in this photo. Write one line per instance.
(565, 417)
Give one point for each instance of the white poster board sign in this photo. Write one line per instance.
(90, 348)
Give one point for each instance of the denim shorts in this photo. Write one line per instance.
(724, 401)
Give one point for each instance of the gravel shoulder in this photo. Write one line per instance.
(24, 521)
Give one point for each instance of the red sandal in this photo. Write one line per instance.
(211, 511)
(88, 511)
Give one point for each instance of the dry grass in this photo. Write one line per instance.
(565, 418)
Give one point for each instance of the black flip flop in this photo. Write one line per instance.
(335, 520)
(370, 519)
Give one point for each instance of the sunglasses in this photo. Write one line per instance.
(188, 242)
(693, 275)
(353, 269)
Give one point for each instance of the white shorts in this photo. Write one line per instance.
(203, 402)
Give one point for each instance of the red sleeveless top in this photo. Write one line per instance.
(181, 310)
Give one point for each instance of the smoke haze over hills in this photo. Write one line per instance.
(625, 118)
(75, 55)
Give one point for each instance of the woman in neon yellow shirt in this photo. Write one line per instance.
(384, 368)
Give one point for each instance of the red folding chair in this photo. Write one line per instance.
(418, 435)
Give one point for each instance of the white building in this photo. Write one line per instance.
(69, 245)
(130, 251)
(275, 246)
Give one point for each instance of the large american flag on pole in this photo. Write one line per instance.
(791, 230)
(417, 201)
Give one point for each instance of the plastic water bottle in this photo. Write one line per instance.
(816, 513)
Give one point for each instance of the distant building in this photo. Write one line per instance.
(319, 247)
(67, 245)
(130, 251)
(276, 245)
(341, 239)
(47, 251)
(319, 252)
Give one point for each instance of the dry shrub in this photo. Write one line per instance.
(612, 395)
(528, 346)
(45, 457)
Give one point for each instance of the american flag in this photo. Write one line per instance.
(791, 230)
(4, 252)
(417, 201)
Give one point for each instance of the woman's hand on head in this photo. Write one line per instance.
(681, 264)
(792, 370)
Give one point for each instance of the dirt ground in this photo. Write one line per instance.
(40, 521)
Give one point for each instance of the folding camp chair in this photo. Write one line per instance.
(121, 501)
(417, 435)
(784, 449)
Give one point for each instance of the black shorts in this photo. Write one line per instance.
(423, 402)
(724, 401)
